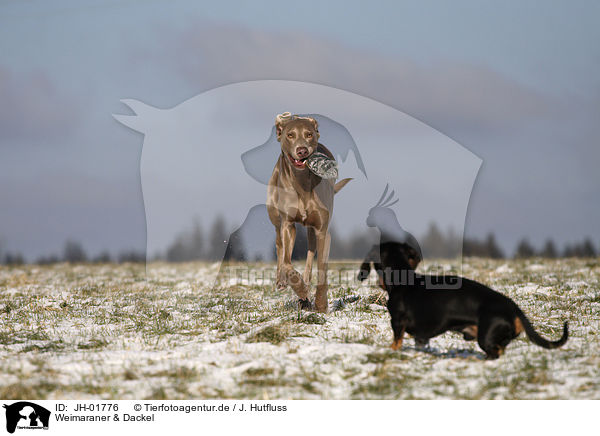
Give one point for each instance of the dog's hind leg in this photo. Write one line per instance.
(398, 335)
(494, 334)
(469, 332)
(311, 237)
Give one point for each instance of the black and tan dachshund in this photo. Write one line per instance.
(470, 308)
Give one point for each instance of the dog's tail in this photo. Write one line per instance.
(536, 338)
(339, 185)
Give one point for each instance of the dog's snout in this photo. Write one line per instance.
(302, 152)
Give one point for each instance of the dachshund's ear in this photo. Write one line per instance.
(381, 275)
(411, 256)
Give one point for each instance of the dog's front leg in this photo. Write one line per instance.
(280, 283)
(323, 243)
(398, 335)
(398, 323)
(290, 275)
(311, 237)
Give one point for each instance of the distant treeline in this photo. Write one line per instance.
(193, 244)
(73, 252)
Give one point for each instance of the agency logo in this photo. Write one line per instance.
(26, 415)
(213, 155)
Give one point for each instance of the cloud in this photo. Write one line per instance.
(532, 140)
(446, 95)
(32, 108)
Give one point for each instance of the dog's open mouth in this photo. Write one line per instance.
(298, 163)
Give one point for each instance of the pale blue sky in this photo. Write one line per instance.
(513, 38)
(517, 83)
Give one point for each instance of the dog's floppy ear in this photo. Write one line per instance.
(411, 256)
(280, 121)
(381, 274)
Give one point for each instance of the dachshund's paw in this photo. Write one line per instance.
(396, 345)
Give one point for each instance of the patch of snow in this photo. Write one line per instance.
(504, 269)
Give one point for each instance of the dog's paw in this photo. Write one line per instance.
(305, 304)
(396, 345)
(321, 305)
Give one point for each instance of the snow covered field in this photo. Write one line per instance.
(113, 331)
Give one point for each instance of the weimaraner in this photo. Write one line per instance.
(297, 195)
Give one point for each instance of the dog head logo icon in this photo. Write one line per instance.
(26, 415)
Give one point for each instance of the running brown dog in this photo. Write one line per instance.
(296, 195)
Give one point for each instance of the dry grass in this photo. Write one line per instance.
(113, 331)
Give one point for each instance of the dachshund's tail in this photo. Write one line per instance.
(535, 336)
